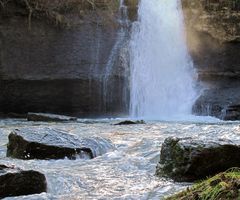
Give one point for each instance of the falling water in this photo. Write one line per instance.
(162, 85)
(117, 54)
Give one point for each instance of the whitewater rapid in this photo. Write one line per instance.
(125, 173)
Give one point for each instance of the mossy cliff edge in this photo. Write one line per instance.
(224, 186)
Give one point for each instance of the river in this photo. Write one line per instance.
(125, 173)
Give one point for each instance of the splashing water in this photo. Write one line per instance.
(122, 35)
(162, 85)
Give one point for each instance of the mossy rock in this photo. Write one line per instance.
(187, 159)
(224, 186)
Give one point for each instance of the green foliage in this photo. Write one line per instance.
(224, 186)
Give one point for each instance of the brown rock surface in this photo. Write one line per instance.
(213, 36)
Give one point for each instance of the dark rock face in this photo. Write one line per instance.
(128, 122)
(62, 70)
(232, 113)
(45, 117)
(213, 36)
(222, 103)
(190, 160)
(14, 182)
(45, 143)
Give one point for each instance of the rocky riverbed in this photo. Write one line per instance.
(127, 172)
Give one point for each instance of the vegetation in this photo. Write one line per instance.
(214, 5)
(224, 186)
(62, 11)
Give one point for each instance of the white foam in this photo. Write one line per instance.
(162, 72)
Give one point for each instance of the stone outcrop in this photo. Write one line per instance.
(63, 60)
(15, 182)
(46, 143)
(190, 160)
(213, 36)
(46, 117)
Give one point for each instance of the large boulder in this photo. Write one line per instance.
(46, 117)
(46, 143)
(189, 160)
(15, 182)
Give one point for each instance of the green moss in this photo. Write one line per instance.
(225, 186)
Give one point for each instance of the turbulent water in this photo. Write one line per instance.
(125, 173)
(162, 84)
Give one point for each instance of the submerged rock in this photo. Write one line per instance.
(189, 160)
(46, 143)
(46, 117)
(15, 182)
(129, 122)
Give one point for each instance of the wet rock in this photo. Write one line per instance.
(15, 182)
(222, 103)
(189, 160)
(46, 117)
(232, 113)
(128, 122)
(46, 143)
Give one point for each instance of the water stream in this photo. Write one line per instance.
(125, 173)
(116, 56)
(162, 73)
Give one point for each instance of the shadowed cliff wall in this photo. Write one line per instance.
(56, 60)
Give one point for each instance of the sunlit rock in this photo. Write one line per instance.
(189, 160)
(46, 143)
(213, 38)
(15, 182)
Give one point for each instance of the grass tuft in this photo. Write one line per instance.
(223, 186)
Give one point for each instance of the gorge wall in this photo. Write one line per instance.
(213, 30)
(54, 56)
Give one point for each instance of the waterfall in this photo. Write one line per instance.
(162, 73)
(118, 55)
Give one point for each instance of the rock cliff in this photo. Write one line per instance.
(213, 30)
(62, 57)
(71, 57)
